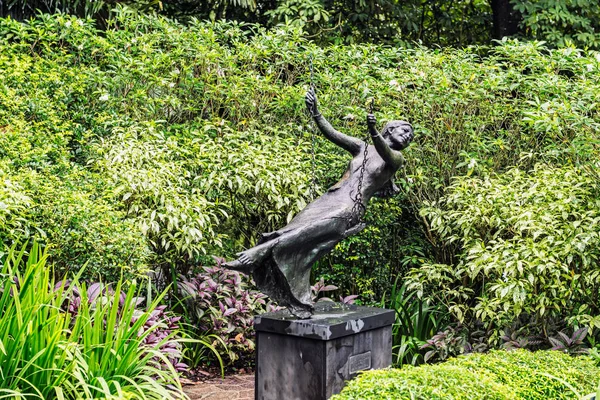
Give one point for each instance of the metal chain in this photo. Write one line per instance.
(313, 189)
(358, 199)
(358, 207)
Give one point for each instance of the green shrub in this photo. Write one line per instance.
(517, 374)
(561, 23)
(185, 191)
(165, 116)
(530, 245)
(13, 211)
(84, 228)
(42, 153)
(26, 9)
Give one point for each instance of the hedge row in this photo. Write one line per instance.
(500, 375)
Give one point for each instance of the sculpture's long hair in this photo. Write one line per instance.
(392, 124)
(390, 189)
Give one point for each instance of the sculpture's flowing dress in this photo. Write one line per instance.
(291, 251)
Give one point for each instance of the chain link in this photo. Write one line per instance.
(359, 206)
(313, 142)
(313, 189)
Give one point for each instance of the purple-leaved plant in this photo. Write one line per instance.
(161, 322)
(449, 343)
(321, 287)
(573, 344)
(221, 302)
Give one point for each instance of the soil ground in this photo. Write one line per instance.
(232, 387)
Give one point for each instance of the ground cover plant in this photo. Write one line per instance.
(417, 320)
(220, 303)
(517, 374)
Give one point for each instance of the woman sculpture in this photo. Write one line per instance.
(281, 261)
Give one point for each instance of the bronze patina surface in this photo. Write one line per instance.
(281, 261)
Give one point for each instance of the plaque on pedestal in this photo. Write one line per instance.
(311, 359)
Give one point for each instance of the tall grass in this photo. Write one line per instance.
(97, 352)
(416, 321)
(35, 359)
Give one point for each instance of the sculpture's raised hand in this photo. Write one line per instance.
(311, 102)
(371, 121)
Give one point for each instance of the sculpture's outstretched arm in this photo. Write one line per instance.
(392, 157)
(348, 143)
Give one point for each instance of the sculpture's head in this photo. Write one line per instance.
(398, 134)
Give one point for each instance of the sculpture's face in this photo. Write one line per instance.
(398, 134)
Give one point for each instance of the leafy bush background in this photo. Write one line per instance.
(154, 144)
(529, 247)
(439, 23)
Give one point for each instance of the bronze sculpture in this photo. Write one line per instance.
(281, 261)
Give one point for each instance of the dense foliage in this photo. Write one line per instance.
(110, 182)
(439, 22)
(220, 302)
(152, 145)
(561, 22)
(173, 130)
(502, 375)
(530, 248)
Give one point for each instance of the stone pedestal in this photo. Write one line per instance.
(311, 359)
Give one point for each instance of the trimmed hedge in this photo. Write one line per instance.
(516, 374)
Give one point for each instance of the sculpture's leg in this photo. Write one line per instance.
(296, 252)
(281, 266)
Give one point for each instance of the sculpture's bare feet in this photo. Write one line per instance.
(239, 265)
(249, 259)
(255, 255)
(245, 259)
(355, 229)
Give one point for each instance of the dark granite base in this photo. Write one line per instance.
(312, 359)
